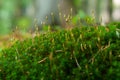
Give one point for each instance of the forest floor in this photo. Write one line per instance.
(7, 40)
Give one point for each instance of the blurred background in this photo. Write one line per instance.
(24, 13)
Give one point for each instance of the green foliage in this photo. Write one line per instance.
(23, 23)
(86, 53)
(9, 11)
(117, 24)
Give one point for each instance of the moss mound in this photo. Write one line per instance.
(86, 53)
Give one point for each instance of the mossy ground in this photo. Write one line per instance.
(80, 53)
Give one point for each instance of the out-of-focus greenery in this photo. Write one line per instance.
(10, 12)
(7, 9)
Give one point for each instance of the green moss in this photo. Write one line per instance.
(87, 53)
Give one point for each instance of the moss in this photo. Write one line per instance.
(78, 54)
